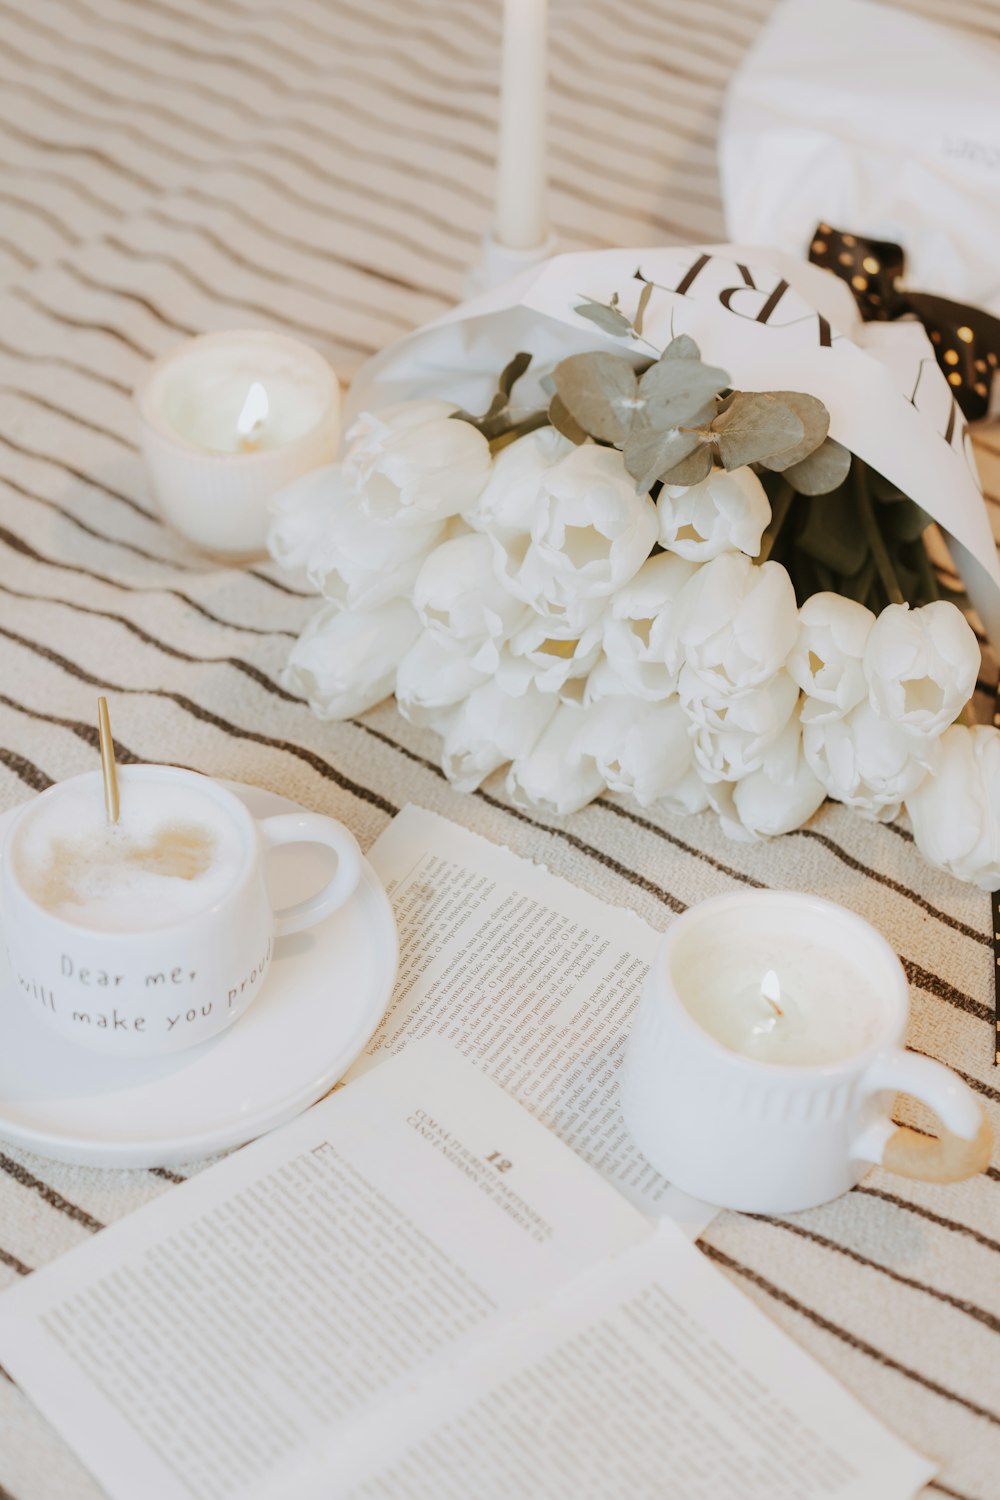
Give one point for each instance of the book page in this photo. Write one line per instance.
(651, 1376)
(203, 1347)
(529, 977)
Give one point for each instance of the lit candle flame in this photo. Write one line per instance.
(253, 416)
(770, 990)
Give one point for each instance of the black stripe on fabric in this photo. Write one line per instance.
(932, 1218)
(74, 148)
(39, 211)
(91, 282)
(247, 669)
(28, 772)
(81, 474)
(100, 536)
(851, 1339)
(48, 1194)
(17, 253)
(944, 1489)
(960, 1304)
(854, 863)
(670, 838)
(632, 876)
(44, 310)
(30, 356)
(302, 247)
(166, 1174)
(934, 985)
(269, 314)
(267, 273)
(196, 711)
(17, 544)
(69, 416)
(14, 1264)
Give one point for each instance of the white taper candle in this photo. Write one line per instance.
(521, 168)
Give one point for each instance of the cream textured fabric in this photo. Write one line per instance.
(170, 166)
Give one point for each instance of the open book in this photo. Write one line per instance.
(413, 1291)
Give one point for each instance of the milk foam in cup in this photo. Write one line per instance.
(157, 932)
(173, 853)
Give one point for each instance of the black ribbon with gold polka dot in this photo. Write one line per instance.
(966, 340)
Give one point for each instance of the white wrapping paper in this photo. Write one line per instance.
(879, 123)
(771, 320)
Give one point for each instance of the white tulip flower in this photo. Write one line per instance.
(921, 666)
(490, 728)
(780, 795)
(732, 731)
(590, 534)
(458, 594)
(827, 658)
(345, 660)
(353, 559)
(415, 463)
(435, 672)
(635, 636)
(535, 657)
(557, 776)
(865, 761)
(727, 510)
(734, 622)
(644, 750)
(955, 812)
(515, 490)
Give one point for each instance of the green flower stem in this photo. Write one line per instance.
(780, 503)
(528, 424)
(923, 566)
(873, 535)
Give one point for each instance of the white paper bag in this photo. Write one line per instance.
(879, 123)
(771, 320)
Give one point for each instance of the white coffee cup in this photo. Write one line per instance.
(778, 1136)
(119, 956)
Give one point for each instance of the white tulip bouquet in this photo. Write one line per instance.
(653, 584)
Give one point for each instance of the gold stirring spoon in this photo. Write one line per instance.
(108, 764)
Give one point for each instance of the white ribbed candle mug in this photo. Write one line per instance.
(769, 1137)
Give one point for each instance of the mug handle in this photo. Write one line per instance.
(314, 828)
(964, 1145)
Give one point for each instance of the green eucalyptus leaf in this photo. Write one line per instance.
(600, 393)
(822, 471)
(608, 319)
(815, 421)
(547, 385)
(562, 419)
(677, 392)
(649, 454)
(754, 426)
(682, 347)
(882, 488)
(693, 469)
(640, 312)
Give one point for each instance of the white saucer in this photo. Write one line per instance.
(326, 993)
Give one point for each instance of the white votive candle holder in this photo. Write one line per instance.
(766, 1054)
(228, 419)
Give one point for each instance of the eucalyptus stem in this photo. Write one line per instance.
(873, 535)
(527, 424)
(780, 503)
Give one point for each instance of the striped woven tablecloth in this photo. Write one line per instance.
(324, 166)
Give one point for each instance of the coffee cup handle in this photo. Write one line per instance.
(965, 1142)
(314, 828)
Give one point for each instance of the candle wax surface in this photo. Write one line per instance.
(204, 395)
(831, 1008)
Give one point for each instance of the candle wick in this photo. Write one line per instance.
(770, 990)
